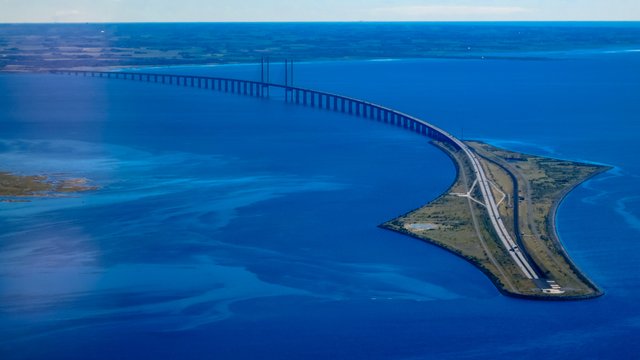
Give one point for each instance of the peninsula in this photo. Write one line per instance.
(527, 190)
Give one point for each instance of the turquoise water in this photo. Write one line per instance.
(233, 227)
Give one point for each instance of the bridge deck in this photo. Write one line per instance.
(343, 104)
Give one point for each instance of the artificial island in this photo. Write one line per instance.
(499, 214)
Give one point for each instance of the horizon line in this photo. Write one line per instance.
(312, 22)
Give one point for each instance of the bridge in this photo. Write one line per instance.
(355, 107)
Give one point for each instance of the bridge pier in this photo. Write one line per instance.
(309, 97)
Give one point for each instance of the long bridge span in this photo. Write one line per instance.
(348, 105)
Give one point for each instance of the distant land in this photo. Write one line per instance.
(29, 47)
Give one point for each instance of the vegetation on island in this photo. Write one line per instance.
(535, 185)
(17, 188)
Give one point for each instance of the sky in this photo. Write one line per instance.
(314, 10)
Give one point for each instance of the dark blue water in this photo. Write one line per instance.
(231, 227)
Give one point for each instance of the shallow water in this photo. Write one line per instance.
(229, 226)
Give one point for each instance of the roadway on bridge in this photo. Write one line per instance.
(483, 182)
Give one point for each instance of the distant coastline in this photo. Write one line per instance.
(40, 47)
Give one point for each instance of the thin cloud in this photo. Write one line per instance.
(65, 15)
(433, 12)
(67, 12)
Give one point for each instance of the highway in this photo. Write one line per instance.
(494, 215)
(490, 203)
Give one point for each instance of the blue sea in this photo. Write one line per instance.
(230, 227)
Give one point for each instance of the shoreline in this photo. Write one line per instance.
(556, 236)
(552, 228)
(517, 56)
